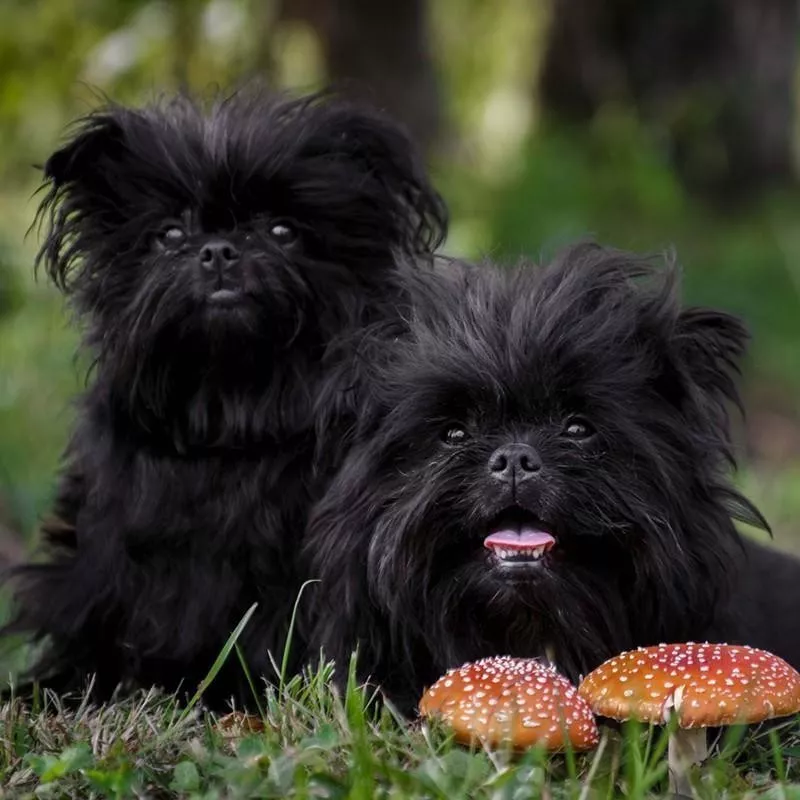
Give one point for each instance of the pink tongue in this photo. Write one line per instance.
(522, 539)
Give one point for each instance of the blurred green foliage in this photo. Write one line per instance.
(610, 182)
(516, 186)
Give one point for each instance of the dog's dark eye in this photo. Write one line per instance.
(454, 434)
(578, 428)
(283, 232)
(173, 234)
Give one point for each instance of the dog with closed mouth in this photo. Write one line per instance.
(210, 254)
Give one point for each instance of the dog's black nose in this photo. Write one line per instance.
(218, 255)
(513, 463)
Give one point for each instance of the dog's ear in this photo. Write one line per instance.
(700, 375)
(100, 139)
(82, 201)
(710, 345)
(387, 155)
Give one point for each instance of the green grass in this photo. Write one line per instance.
(316, 742)
(308, 740)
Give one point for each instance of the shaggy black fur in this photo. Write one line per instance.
(618, 402)
(211, 257)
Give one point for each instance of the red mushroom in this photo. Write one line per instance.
(516, 701)
(701, 684)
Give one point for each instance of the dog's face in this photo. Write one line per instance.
(212, 243)
(199, 274)
(548, 465)
(263, 210)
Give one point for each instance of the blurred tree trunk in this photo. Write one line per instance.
(379, 51)
(716, 76)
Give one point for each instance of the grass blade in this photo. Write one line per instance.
(290, 634)
(219, 661)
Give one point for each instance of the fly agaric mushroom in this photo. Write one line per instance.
(703, 685)
(518, 701)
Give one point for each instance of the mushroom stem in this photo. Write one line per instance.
(687, 746)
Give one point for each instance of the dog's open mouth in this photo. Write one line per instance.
(518, 539)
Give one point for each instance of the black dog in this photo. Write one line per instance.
(545, 473)
(211, 259)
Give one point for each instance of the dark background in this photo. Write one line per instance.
(644, 123)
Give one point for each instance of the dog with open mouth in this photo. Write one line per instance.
(544, 472)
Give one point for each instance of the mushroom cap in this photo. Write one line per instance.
(704, 684)
(518, 701)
